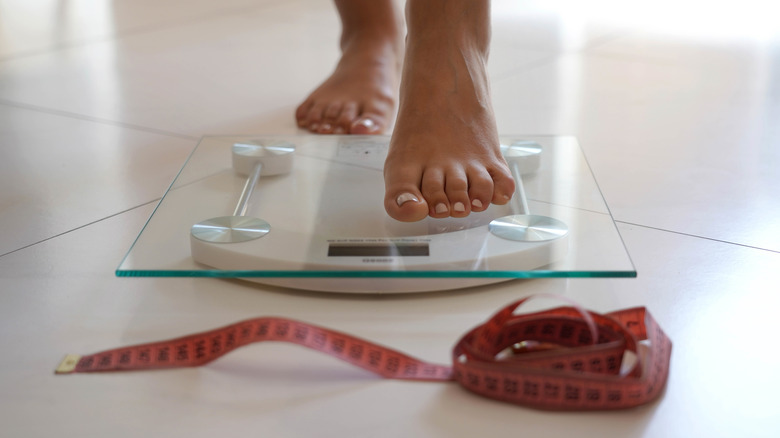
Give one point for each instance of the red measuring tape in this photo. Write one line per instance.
(560, 359)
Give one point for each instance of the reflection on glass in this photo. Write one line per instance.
(327, 220)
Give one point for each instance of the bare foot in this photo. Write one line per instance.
(444, 158)
(359, 97)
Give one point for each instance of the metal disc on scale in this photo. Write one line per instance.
(523, 157)
(251, 159)
(528, 228)
(275, 155)
(230, 229)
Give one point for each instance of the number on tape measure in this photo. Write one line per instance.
(560, 359)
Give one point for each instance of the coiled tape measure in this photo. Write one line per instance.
(565, 358)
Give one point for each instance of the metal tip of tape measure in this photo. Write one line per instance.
(68, 364)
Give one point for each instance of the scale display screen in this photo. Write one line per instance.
(378, 250)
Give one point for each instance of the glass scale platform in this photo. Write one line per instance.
(306, 212)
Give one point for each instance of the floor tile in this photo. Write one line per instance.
(60, 173)
(225, 75)
(30, 28)
(669, 150)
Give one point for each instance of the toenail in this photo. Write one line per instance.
(459, 207)
(441, 208)
(403, 198)
(368, 123)
(339, 130)
(325, 127)
(476, 203)
(314, 126)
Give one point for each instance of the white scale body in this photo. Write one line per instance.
(324, 204)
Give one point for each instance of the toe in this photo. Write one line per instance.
(302, 113)
(332, 111)
(480, 189)
(325, 128)
(373, 117)
(503, 186)
(432, 186)
(314, 117)
(371, 120)
(349, 113)
(330, 115)
(456, 187)
(365, 125)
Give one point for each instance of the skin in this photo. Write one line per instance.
(444, 157)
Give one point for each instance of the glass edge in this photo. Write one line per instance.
(374, 274)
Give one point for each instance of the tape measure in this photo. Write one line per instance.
(564, 358)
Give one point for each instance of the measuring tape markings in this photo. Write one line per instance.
(583, 378)
(559, 359)
(201, 348)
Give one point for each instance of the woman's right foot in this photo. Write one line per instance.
(360, 95)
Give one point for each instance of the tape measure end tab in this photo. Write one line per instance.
(68, 364)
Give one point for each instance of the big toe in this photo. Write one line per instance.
(403, 199)
(406, 205)
(365, 125)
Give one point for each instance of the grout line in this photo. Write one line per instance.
(697, 236)
(95, 119)
(80, 227)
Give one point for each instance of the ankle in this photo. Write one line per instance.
(451, 74)
(370, 22)
(464, 24)
(372, 44)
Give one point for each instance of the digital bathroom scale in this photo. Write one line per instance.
(306, 212)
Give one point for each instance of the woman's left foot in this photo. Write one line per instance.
(444, 157)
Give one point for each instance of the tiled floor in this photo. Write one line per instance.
(677, 108)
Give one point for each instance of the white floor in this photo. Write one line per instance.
(677, 107)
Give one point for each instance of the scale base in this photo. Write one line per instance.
(377, 285)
